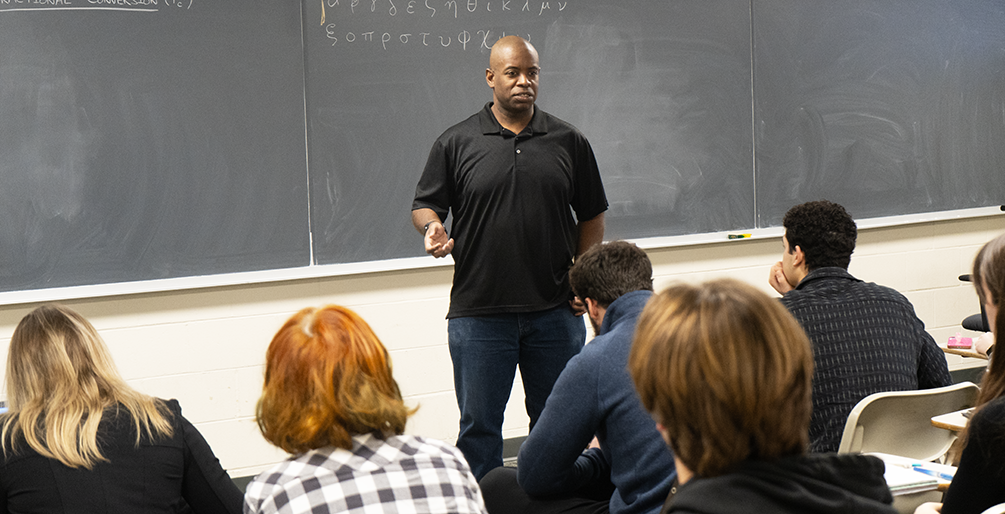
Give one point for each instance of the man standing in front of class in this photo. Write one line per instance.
(512, 176)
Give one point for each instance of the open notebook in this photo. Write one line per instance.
(904, 475)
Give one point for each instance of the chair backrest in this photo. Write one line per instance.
(976, 322)
(900, 422)
(996, 509)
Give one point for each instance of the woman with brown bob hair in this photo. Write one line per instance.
(725, 370)
(330, 400)
(979, 482)
(77, 438)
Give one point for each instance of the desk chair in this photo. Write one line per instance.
(976, 322)
(900, 422)
(997, 509)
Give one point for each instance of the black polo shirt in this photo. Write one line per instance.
(515, 201)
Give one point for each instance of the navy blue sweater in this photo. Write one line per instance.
(595, 395)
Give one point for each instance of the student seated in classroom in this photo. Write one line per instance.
(866, 337)
(630, 469)
(725, 371)
(330, 400)
(979, 482)
(77, 438)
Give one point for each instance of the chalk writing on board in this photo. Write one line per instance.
(91, 5)
(354, 22)
(454, 8)
(464, 39)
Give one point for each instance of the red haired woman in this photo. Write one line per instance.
(329, 400)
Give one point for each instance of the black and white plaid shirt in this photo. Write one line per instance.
(403, 474)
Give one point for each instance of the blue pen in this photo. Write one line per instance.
(932, 472)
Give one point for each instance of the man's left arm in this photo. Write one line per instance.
(591, 232)
(588, 196)
(552, 459)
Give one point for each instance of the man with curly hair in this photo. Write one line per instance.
(866, 337)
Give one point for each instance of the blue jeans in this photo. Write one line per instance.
(485, 351)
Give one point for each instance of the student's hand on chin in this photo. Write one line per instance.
(777, 280)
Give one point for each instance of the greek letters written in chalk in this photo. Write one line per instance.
(344, 21)
(463, 40)
(434, 8)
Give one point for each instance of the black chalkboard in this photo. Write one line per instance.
(661, 89)
(192, 137)
(885, 106)
(147, 142)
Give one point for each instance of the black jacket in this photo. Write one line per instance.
(158, 477)
(817, 483)
(866, 339)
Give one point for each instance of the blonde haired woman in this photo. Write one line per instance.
(76, 438)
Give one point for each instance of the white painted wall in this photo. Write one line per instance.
(206, 347)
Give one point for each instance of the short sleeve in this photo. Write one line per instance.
(589, 198)
(434, 188)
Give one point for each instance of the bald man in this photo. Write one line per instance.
(526, 198)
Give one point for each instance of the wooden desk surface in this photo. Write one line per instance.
(954, 421)
(966, 352)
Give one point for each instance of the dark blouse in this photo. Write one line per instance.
(980, 479)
